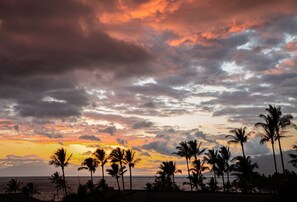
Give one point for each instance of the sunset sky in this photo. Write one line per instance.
(140, 74)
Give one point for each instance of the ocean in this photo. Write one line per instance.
(48, 191)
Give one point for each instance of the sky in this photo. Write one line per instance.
(140, 74)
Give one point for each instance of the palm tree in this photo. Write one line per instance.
(30, 189)
(101, 158)
(118, 156)
(13, 186)
(226, 155)
(131, 162)
(195, 148)
(173, 170)
(89, 164)
(294, 157)
(197, 177)
(57, 179)
(221, 169)
(59, 159)
(211, 158)
(184, 151)
(280, 123)
(239, 137)
(244, 172)
(268, 135)
(114, 172)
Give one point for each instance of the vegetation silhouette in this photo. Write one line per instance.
(115, 172)
(89, 164)
(102, 159)
(294, 157)
(118, 156)
(131, 161)
(57, 179)
(59, 159)
(239, 137)
(13, 186)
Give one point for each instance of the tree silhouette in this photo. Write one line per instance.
(221, 169)
(225, 154)
(89, 164)
(59, 159)
(115, 172)
(196, 176)
(101, 158)
(195, 150)
(244, 172)
(239, 137)
(57, 179)
(30, 189)
(118, 156)
(13, 186)
(269, 134)
(183, 150)
(131, 162)
(280, 122)
(294, 157)
(211, 158)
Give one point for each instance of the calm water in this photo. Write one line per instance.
(48, 190)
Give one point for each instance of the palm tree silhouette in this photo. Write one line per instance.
(221, 169)
(225, 154)
(173, 170)
(115, 172)
(195, 148)
(89, 164)
(239, 137)
(131, 162)
(118, 156)
(30, 189)
(13, 186)
(57, 179)
(280, 123)
(244, 172)
(184, 151)
(269, 134)
(294, 157)
(59, 159)
(101, 158)
(197, 177)
(211, 158)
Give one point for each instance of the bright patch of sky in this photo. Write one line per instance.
(51, 99)
(144, 81)
(231, 68)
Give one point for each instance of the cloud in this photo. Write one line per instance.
(142, 124)
(121, 141)
(160, 147)
(89, 137)
(110, 130)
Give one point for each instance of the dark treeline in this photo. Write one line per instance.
(219, 162)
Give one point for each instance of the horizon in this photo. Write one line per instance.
(144, 75)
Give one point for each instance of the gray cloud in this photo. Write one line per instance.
(121, 141)
(110, 130)
(89, 137)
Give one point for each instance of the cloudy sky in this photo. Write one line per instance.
(144, 74)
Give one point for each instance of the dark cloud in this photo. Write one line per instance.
(89, 137)
(160, 147)
(110, 130)
(121, 141)
(142, 124)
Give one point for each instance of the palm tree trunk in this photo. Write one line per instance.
(228, 179)
(102, 172)
(275, 166)
(92, 178)
(64, 182)
(173, 178)
(130, 170)
(123, 183)
(214, 175)
(243, 154)
(119, 188)
(223, 182)
(189, 173)
(280, 151)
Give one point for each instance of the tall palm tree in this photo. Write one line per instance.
(115, 172)
(211, 158)
(183, 150)
(173, 170)
(280, 122)
(101, 158)
(269, 134)
(221, 169)
(294, 157)
(239, 137)
(131, 162)
(225, 154)
(195, 148)
(118, 156)
(13, 186)
(30, 189)
(57, 179)
(59, 159)
(89, 164)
